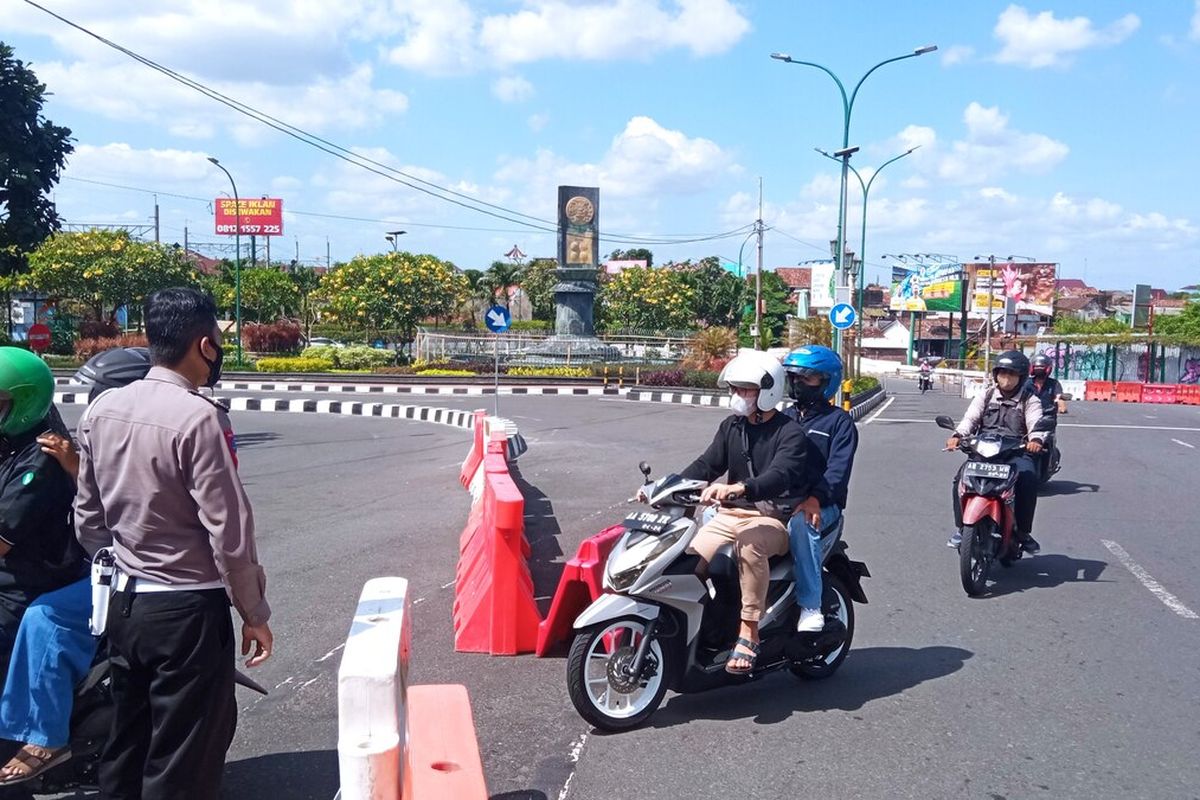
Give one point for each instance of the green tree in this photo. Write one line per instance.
(648, 300)
(392, 291)
(104, 270)
(307, 282)
(634, 254)
(537, 281)
(720, 295)
(1074, 325)
(776, 309)
(480, 292)
(502, 275)
(1185, 324)
(32, 153)
(268, 294)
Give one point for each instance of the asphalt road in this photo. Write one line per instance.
(1072, 679)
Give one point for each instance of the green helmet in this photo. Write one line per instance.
(26, 390)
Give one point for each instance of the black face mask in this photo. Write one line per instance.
(808, 395)
(214, 366)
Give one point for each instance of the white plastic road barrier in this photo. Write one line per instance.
(372, 681)
(1076, 389)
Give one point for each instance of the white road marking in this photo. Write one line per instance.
(572, 758)
(447, 585)
(1185, 444)
(882, 409)
(1156, 588)
(330, 654)
(1067, 425)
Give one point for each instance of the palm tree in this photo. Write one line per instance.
(502, 275)
(480, 289)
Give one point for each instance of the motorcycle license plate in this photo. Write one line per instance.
(986, 469)
(648, 521)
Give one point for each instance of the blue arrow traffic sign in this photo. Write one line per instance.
(842, 316)
(497, 319)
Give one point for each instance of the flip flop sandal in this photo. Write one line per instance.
(752, 656)
(37, 765)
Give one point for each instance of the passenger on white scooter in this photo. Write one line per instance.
(765, 457)
(814, 374)
(1011, 409)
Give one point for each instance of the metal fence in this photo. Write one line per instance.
(437, 346)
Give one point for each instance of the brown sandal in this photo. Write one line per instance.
(31, 761)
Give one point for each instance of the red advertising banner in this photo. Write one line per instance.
(259, 216)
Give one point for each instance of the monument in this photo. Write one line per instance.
(574, 336)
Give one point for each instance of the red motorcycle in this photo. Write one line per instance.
(986, 493)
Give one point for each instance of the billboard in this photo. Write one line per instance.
(1030, 286)
(1140, 318)
(821, 280)
(259, 216)
(928, 287)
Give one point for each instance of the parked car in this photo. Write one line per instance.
(321, 341)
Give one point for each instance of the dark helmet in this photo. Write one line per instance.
(113, 369)
(26, 391)
(1013, 361)
(1043, 365)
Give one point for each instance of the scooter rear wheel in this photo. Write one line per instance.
(600, 692)
(836, 604)
(975, 557)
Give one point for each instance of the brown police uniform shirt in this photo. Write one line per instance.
(158, 481)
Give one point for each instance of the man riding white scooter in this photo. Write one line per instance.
(1009, 408)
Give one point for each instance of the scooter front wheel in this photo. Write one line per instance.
(601, 689)
(975, 556)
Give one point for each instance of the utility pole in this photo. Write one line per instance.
(328, 260)
(185, 240)
(987, 357)
(253, 250)
(268, 238)
(156, 219)
(297, 249)
(758, 224)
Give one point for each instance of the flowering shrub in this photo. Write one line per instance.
(86, 348)
(294, 364)
(663, 377)
(272, 337)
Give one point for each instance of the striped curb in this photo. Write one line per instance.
(394, 388)
(865, 407)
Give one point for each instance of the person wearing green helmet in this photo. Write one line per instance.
(38, 549)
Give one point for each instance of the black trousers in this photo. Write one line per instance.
(13, 604)
(172, 679)
(1025, 502)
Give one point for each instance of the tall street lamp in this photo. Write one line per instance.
(393, 236)
(862, 247)
(757, 287)
(847, 109)
(237, 258)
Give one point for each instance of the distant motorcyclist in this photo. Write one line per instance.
(1011, 409)
(926, 375)
(1048, 390)
(813, 375)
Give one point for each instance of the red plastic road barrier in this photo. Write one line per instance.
(1188, 394)
(1098, 390)
(443, 751)
(581, 583)
(1129, 392)
(494, 609)
(473, 459)
(1158, 393)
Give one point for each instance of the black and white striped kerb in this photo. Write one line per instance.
(679, 398)
(392, 388)
(438, 416)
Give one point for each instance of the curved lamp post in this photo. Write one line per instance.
(757, 288)
(844, 153)
(862, 247)
(237, 258)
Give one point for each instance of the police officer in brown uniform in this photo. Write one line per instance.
(158, 482)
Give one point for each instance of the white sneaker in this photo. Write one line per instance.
(811, 621)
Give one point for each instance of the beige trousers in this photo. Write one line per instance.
(756, 538)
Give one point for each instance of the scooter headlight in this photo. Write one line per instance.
(632, 554)
(988, 449)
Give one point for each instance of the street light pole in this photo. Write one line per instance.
(758, 287)
(847, 110)
(237, 258)
(393, 237)
(862, 246)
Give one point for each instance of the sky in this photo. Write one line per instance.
(1062, 131)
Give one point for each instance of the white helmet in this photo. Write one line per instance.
(754, 368)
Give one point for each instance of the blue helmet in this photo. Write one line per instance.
(813, 359)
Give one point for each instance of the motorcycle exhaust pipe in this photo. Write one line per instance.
(249, 683)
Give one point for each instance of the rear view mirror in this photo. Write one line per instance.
(1066, 397)
(645, 468)
(944, 421)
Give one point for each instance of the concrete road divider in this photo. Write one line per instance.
(494, 608)
(395, 741)
(582, 581)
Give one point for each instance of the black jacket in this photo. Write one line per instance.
(834, 437)
(777, 449)
(35, 519)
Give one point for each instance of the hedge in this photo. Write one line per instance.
(294, 364)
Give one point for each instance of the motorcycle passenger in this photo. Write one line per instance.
(54, 644)
(765, 457)
(813, 375)
(38, 551)
(1050, 392)
(1007, 408)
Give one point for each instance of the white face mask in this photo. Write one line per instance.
(742, 406)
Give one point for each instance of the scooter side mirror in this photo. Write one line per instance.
(944, 421)
(645, 468)
(1067, 397)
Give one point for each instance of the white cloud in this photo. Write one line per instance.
(539, 121)
(447, 37)
(1195, 32)
(992, 148)
(1045, 41)
(957, 54)
(119, 161)
(512, 89)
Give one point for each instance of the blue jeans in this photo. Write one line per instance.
(52, 654)
(805, 543)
